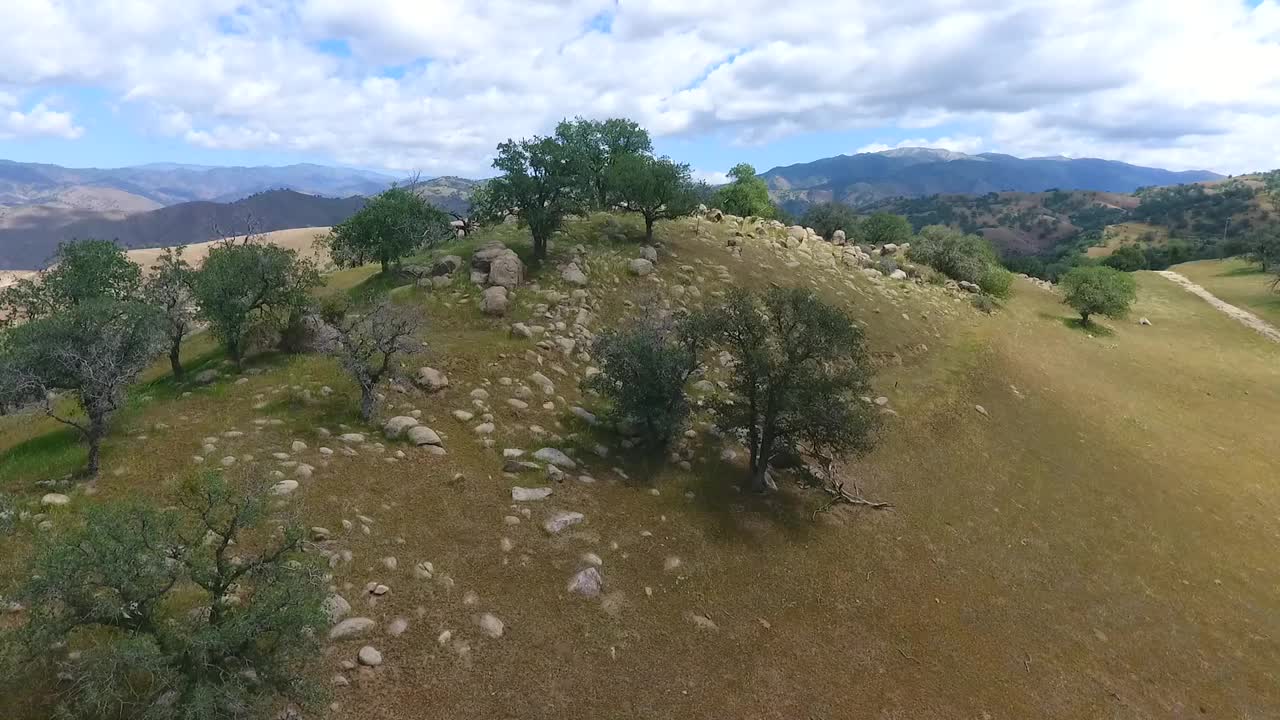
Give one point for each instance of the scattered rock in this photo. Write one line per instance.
(369, 657)
(54, 500)
(587, 583)
(650, 253)
(555, 457)
(521, 494)
(431, 379)
(396, 426)
(702, 621)
(491, 625)
(1143, 321)
(573, 275)
(284, 487)
(423, 435)
(351, 627)
(205, 377)
(561, 521)
(336, 607)
(981, 410)
(640, 267)
(494, 301)
(585, 416)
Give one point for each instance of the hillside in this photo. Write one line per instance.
(916, 172)
(171, 183)
(1082, 526)
(29, 237)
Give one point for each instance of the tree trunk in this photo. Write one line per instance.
(95, 450)
(1084, 319)
(368, 403)
(175, 359)
(539, 249)
(386, 266)
(233, 349)
(648, 230)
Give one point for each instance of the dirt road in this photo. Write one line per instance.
(1267, 330)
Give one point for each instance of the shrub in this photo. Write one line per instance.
(368, 344)
(644, 367)
(393, 224)
(205, 612)
(996, 281)
(826, 218)
(985, 303)
(168, 288)
(1098, 290)
(956, 255)
(883, 227)
(746, 195)
(801, 365)
(887, 265)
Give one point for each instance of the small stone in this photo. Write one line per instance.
(491, 625)
(369, 657)
(640, 267)
(284, 487)
(54, 500)
(397, 627)
(520, 494)
(336, 607)
(587, 583)
(981, 410)
(484, 429)
(555, 457)
(463, 415)
(396, 426)
(422, 435)
(431, 379)
(561, 521)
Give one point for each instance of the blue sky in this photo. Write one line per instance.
(1180, 84)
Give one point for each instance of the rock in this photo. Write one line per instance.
(351, 627)
(484, 256)
(584, 415)
(423, 435)
(1143, 321)
(397, 627)
(640, 267)
(205, 377)
(888, 249)
(309, 334)
(298, 446)
(484, 429)
(587, 583)
(494, 301)
(650, 253)
(506, 270)
(431, 379)
(369, 657)
(573, 275)
(561, 521)
(351, 438)
(838, 237)
(981, 410)
(284, 487)
(715, 215)
(520, 330)
(543, 382)
(446, 265)
(968, 286)
(555, 457)
(898, 274)
(54, 500)
(702, 621)
(396, 426)
(463, 415)
(336, 607)
(491, 625)
(520, 494)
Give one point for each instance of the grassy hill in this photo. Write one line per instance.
(1238, 282)
(1097, 543)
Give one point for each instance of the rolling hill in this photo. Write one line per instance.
(29, 239)
(866, 178)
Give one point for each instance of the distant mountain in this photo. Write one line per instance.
(449, 193)
(29, 235)
(172, 183)
(867, 178)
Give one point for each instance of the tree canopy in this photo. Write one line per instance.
(596, 146)
(884, 228)
(169, 289)
(655, 188)
(746, 194)
(828, 217)
(391, 225)
(1099, 290)
(82, 270)
(539, 182)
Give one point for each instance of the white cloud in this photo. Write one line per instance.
(967, 144)
(37, 121)
(433, 86)
(711, 177)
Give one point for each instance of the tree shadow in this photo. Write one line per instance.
(1075, 323)
(1244, 271)
(52, 455)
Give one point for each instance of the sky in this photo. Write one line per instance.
(431, 86)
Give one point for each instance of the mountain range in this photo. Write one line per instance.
(867, 178)
(172, 183)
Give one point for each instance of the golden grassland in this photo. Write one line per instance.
(1099, 544)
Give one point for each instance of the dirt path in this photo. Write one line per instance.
(1267, 330)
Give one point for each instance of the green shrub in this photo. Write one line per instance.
(204, 613)
(996, 281)
(985, 303)
(643, 370)
(887, 265)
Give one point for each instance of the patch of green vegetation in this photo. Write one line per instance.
(49, 456)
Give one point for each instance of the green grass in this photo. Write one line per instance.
(1238, 282)
(1098, 545)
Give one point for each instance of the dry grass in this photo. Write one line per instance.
(1129, 233)
(1098, 545)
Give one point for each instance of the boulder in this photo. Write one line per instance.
(898, 274)
(888, 249)
(715, 215)
(423, 435)
(204, 377)
(484, 256)
(369, 657)
(446, 265)
(336, 607)
(573, 275)
(838, 237)
(54, 500)
(649, 252)
(506, 270)
(640, 267)
(308, 333)
(431, 379)
(555, 457)
(494, 301)
(396, 426)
